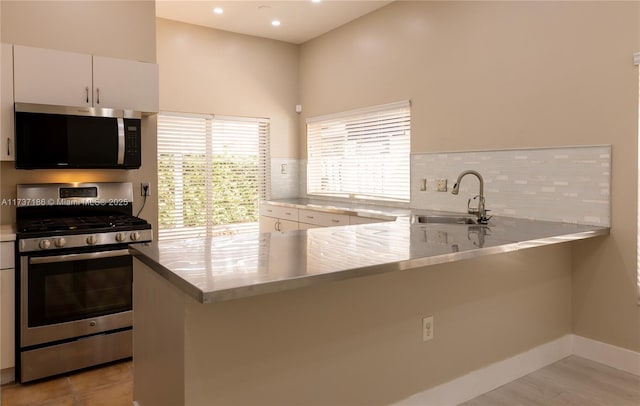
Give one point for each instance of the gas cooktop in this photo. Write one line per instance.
(81, 223)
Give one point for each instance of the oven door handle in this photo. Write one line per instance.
(77, 257)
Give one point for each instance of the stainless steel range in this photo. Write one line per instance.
(75, 274)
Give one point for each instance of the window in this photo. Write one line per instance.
(212, 172)
(361, 153)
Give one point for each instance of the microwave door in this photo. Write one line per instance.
(42, 141)
(93, 142)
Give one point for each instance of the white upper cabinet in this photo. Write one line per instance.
(48, 76)
(7, 146)
(124, 84)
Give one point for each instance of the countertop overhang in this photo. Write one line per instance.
(231, 267)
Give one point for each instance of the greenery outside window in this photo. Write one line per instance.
(361, 153)
(212, 173)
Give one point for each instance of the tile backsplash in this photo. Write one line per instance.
(285, 180)
(568, 184)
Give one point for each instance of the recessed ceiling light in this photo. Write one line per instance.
(275, 23)
(316, 1)
(218, 10)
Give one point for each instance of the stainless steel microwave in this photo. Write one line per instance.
(49, 137)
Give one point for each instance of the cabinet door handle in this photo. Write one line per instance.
(278, 225)
(8, 146)
(86, 89)
(98, 95)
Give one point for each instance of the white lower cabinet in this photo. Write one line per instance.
(7, 306)
(322, 219)
(270, 224)
(277, 218)
(282, 218)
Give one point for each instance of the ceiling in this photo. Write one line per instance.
(301, 20)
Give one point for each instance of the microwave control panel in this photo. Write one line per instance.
(132, 154)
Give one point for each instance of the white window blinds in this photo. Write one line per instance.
(212, 172)
(361, 153)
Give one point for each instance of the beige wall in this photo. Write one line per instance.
(490, 75)
(120, 29)
(216, 72)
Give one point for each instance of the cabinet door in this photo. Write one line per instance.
(287, 225)
(7, 146)
(7, 317)
(49, 76)
(7, 305)
(124, 84)
(268, 224)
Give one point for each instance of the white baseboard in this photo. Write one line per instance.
(615, 357)
(486, 379)
(493, 376)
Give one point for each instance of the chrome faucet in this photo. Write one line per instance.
(480, 211)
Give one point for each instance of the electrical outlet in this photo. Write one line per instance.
(145, 190)
(423, 184)
(427, 328)
(283, 169)
(441, 185)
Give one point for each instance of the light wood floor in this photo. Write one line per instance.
(573, 381)
(110, 385)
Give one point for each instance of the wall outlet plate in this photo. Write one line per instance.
(144, 185)
(427, 328)
(441, 185)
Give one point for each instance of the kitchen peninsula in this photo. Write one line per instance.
(214, 315)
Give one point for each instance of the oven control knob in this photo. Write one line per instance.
(121, 237)
(135, 236)
(92, 239)
(44, 244)
(60, 242)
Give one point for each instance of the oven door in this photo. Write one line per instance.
(74, 295)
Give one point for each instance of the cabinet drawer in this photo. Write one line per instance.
(363, 220)
(7, 255)
(321, 218)
(280, 212)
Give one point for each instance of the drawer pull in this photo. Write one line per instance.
(335, 220)
(288, 213)
(309, 217)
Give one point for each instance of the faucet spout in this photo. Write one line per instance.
(480, 211)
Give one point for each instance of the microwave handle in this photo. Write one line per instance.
(121, 140)
(77, 257)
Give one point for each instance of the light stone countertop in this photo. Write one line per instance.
(231, 267)
(7, 233)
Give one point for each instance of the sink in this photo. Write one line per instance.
(442, 219)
